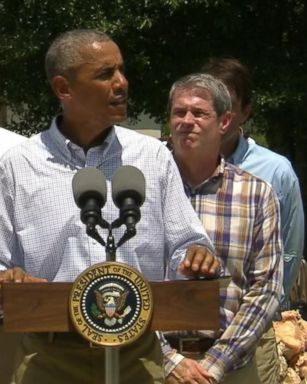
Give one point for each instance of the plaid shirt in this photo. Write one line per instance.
(241, 215)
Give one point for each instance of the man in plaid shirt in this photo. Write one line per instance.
(241, 215)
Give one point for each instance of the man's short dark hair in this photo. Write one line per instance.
(66, 52)
(234, 74)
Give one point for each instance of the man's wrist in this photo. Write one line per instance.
(171, 360)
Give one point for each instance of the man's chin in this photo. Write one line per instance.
(120, 118)
(188, 144)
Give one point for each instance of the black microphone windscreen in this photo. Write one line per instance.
(89, 183)
(128, 181)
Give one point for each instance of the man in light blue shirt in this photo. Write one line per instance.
(264, 163)
(277, 170)
(42, 237)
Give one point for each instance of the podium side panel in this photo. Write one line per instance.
(188, 304)
(36, 307)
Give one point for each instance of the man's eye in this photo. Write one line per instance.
(202, 114)
(107, 74)
(179, 113)
(199, 114)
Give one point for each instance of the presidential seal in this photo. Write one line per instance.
(111, 304)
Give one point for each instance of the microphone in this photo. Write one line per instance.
(90, 194)
(128, 193)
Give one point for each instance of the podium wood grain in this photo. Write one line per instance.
(44, 307)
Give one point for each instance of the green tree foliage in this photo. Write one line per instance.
(162, 40)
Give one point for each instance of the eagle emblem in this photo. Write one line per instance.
(111, 303)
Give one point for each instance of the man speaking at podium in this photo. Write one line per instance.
(42, 237)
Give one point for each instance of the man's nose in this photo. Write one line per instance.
(188, 118)
(120, 80)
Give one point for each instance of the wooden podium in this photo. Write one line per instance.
(178, 305)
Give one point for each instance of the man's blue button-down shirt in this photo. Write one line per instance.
(277, 170)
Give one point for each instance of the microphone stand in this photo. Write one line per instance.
(111, 353)
(110, 247)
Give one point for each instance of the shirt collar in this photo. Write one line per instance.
(209, 186)
(237, 156)
(71, 150)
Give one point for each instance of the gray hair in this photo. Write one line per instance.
(65, 53)
(217, 90)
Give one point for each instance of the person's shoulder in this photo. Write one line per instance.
(243, 176)
(20, 150)
(267, 155)
(7, 134)
(128, 136)
(272, 167)
(9, 139)
(239, 172)
(128, 133)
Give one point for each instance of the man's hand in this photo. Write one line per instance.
(17, 275)
(199, 261)
(189, 371)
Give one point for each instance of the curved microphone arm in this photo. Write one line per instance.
(91, 230)
(129, 232)
(126, 236)
(93, 233)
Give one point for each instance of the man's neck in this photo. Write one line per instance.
(84, 136)
(228, 147)
(195, 170)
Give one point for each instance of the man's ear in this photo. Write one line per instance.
(225, 122)
(60, 87)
